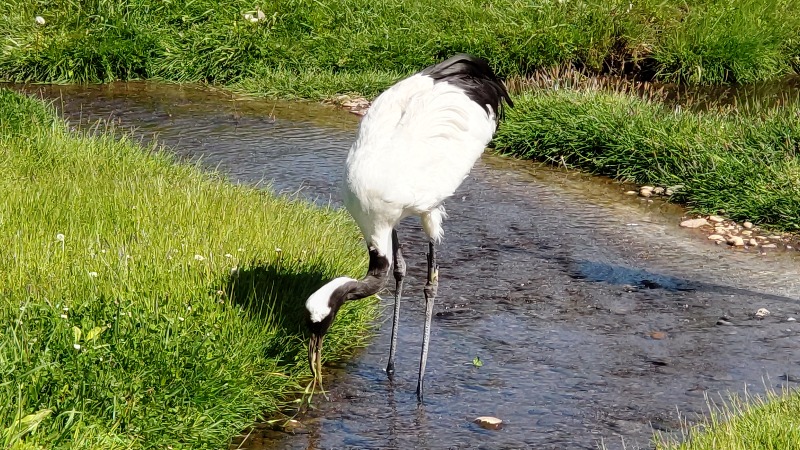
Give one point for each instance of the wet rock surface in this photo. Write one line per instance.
(561, 283)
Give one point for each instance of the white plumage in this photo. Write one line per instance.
(416, 144)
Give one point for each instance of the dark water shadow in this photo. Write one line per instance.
(596, 271)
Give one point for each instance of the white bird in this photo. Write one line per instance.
(416, 144)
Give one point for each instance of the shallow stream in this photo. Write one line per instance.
(594, 314)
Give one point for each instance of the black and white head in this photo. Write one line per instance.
(322, 307)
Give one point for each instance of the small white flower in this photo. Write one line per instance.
(199, 258)
(66, 308)
(93, 274)
(63, 316)
(180, 318)
(60, 237)
(103, 251)
(228, 255)
(40, 20)
(76, 346)
(235, 271)
(240, 249)
(248, 16)
(253, 19)
(278, 249)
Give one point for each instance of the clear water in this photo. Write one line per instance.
(554, 279)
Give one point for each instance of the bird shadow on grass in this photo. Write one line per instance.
(277, 295)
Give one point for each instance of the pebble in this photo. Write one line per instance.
(716, 219)
(746, 233)
(658, 335)
(694, 223)
(658, 190)
(748, 225)
(762, 312)
(723, 321)
(791, 319)
(736, 241)
(630, 193)
(769, 246)
(716, 237)
(646, 191)
(488, 422)
(752, 243)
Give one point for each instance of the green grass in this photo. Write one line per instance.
(747, 166)
(210, 40)
(146, 303)
(759, 423)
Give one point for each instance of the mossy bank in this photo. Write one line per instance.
(145, 303)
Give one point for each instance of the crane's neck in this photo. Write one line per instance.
(374, 280)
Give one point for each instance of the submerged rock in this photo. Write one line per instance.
(658, 335)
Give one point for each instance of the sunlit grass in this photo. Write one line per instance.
(753, 423)
(147, 303)
(703, 41)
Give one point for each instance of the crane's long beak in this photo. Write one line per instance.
(315, 359)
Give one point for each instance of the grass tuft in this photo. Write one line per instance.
(743, 165)
(753, 423)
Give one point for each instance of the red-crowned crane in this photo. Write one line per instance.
(416, 144)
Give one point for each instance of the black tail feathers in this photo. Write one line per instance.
(474, 75)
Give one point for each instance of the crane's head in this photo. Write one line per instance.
(322, 307)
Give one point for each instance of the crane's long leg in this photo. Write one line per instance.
(399, 274)
(430, 294)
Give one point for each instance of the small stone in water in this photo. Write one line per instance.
(488, 422)
(748, 225)
(762, 312)
(716, 219)
(658, 190)
(646, 191)
(791, 319)
(658, 335)
(694, 223)
(769, 246)
(630, 193)
(752, 243)
(716, 237)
